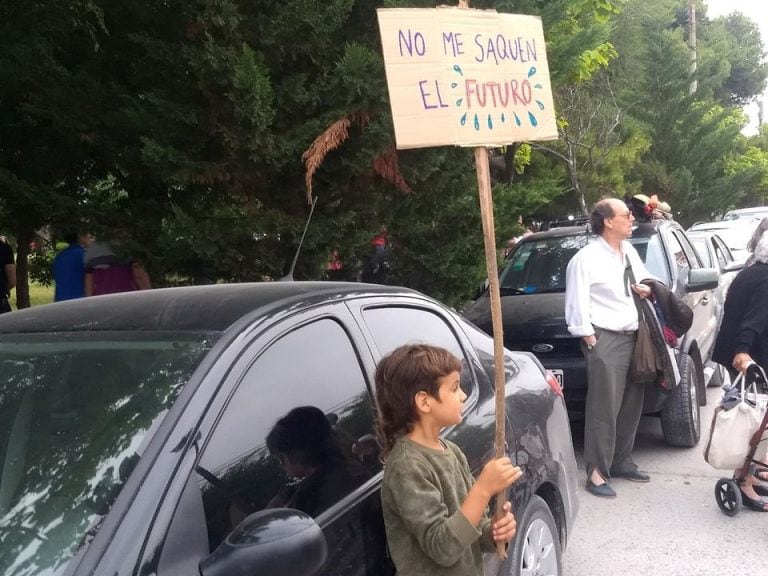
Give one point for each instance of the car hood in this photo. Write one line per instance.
(525, 316)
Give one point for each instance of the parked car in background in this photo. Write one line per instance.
(758, 212)
(714, 253)
(735, 234)
(532, 285)
(133, 432)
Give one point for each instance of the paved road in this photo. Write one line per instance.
(671, 526)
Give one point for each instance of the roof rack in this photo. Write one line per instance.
(580, 221)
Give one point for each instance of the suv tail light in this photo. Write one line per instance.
(553, 383)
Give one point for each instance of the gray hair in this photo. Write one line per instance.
(760, 253)
(757, 234)
(600, 212)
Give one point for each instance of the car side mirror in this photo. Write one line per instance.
(700, 279)
(733, 266)
(274, 541)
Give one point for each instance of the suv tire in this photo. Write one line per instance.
(536, 547)
(680, 417)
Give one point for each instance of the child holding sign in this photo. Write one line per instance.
(436, 515)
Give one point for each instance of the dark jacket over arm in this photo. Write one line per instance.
(744, 328)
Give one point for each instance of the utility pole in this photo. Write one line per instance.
(692, 45)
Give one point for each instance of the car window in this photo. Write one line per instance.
(690, 252)
(296, 433)
(722, 251)
(539, 266)
(395, 326)
(679, 256)
(76, 413)
(652, 254)
(700, 244)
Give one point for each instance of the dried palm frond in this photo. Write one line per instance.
(387, 166)
(331, 138)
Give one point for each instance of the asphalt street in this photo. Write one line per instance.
(670, 526)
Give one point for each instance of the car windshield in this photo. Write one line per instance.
(76, 411)
(539, 266)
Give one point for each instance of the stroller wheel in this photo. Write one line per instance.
(728, 496)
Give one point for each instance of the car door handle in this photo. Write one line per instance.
(705, 300)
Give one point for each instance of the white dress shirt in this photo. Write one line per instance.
(596, 292)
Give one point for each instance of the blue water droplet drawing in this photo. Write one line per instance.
(533, 120)
(453, 84)
(459, 101)
(457, 68)
(532, 71)
(463, 119)
(503, 118)
(537, 86)
(477, 122)
(517, 118)
(490, 122)
(540, 104)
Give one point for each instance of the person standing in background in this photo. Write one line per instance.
(8, 275)
(69, 267)
(106, 273)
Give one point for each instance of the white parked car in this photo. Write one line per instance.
(758, 212)
(735, 233)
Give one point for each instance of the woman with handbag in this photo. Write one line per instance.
(743, 341)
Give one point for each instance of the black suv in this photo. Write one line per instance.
(138, 432)
(532, 283)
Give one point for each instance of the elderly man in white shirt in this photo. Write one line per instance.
(599, 307)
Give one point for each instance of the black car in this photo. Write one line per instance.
(134, 431)
(532, 284)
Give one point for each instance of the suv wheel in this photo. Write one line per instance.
(536, 547)
(680, 417)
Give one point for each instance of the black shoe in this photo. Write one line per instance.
(758, 504)
(602, 490)
(633, 475)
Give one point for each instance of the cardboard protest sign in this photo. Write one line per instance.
(466, 77)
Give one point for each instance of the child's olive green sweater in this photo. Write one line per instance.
(422, 494)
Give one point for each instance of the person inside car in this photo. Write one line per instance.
(309, 451)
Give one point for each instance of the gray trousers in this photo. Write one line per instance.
(613, 406)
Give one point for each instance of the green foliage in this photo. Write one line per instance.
(41, 264)
(175, 130)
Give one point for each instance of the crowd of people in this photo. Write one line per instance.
(84, 268)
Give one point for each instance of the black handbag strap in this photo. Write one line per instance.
(629, 275)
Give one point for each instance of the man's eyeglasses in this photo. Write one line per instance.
(627, 214)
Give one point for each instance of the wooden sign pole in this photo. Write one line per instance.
(489, 238)
(482, 165)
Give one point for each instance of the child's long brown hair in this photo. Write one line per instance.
(400, 375)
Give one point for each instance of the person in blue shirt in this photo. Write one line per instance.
(69, 267)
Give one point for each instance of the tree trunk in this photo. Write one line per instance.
(509, 162)
(23, 238)
(574, 178)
